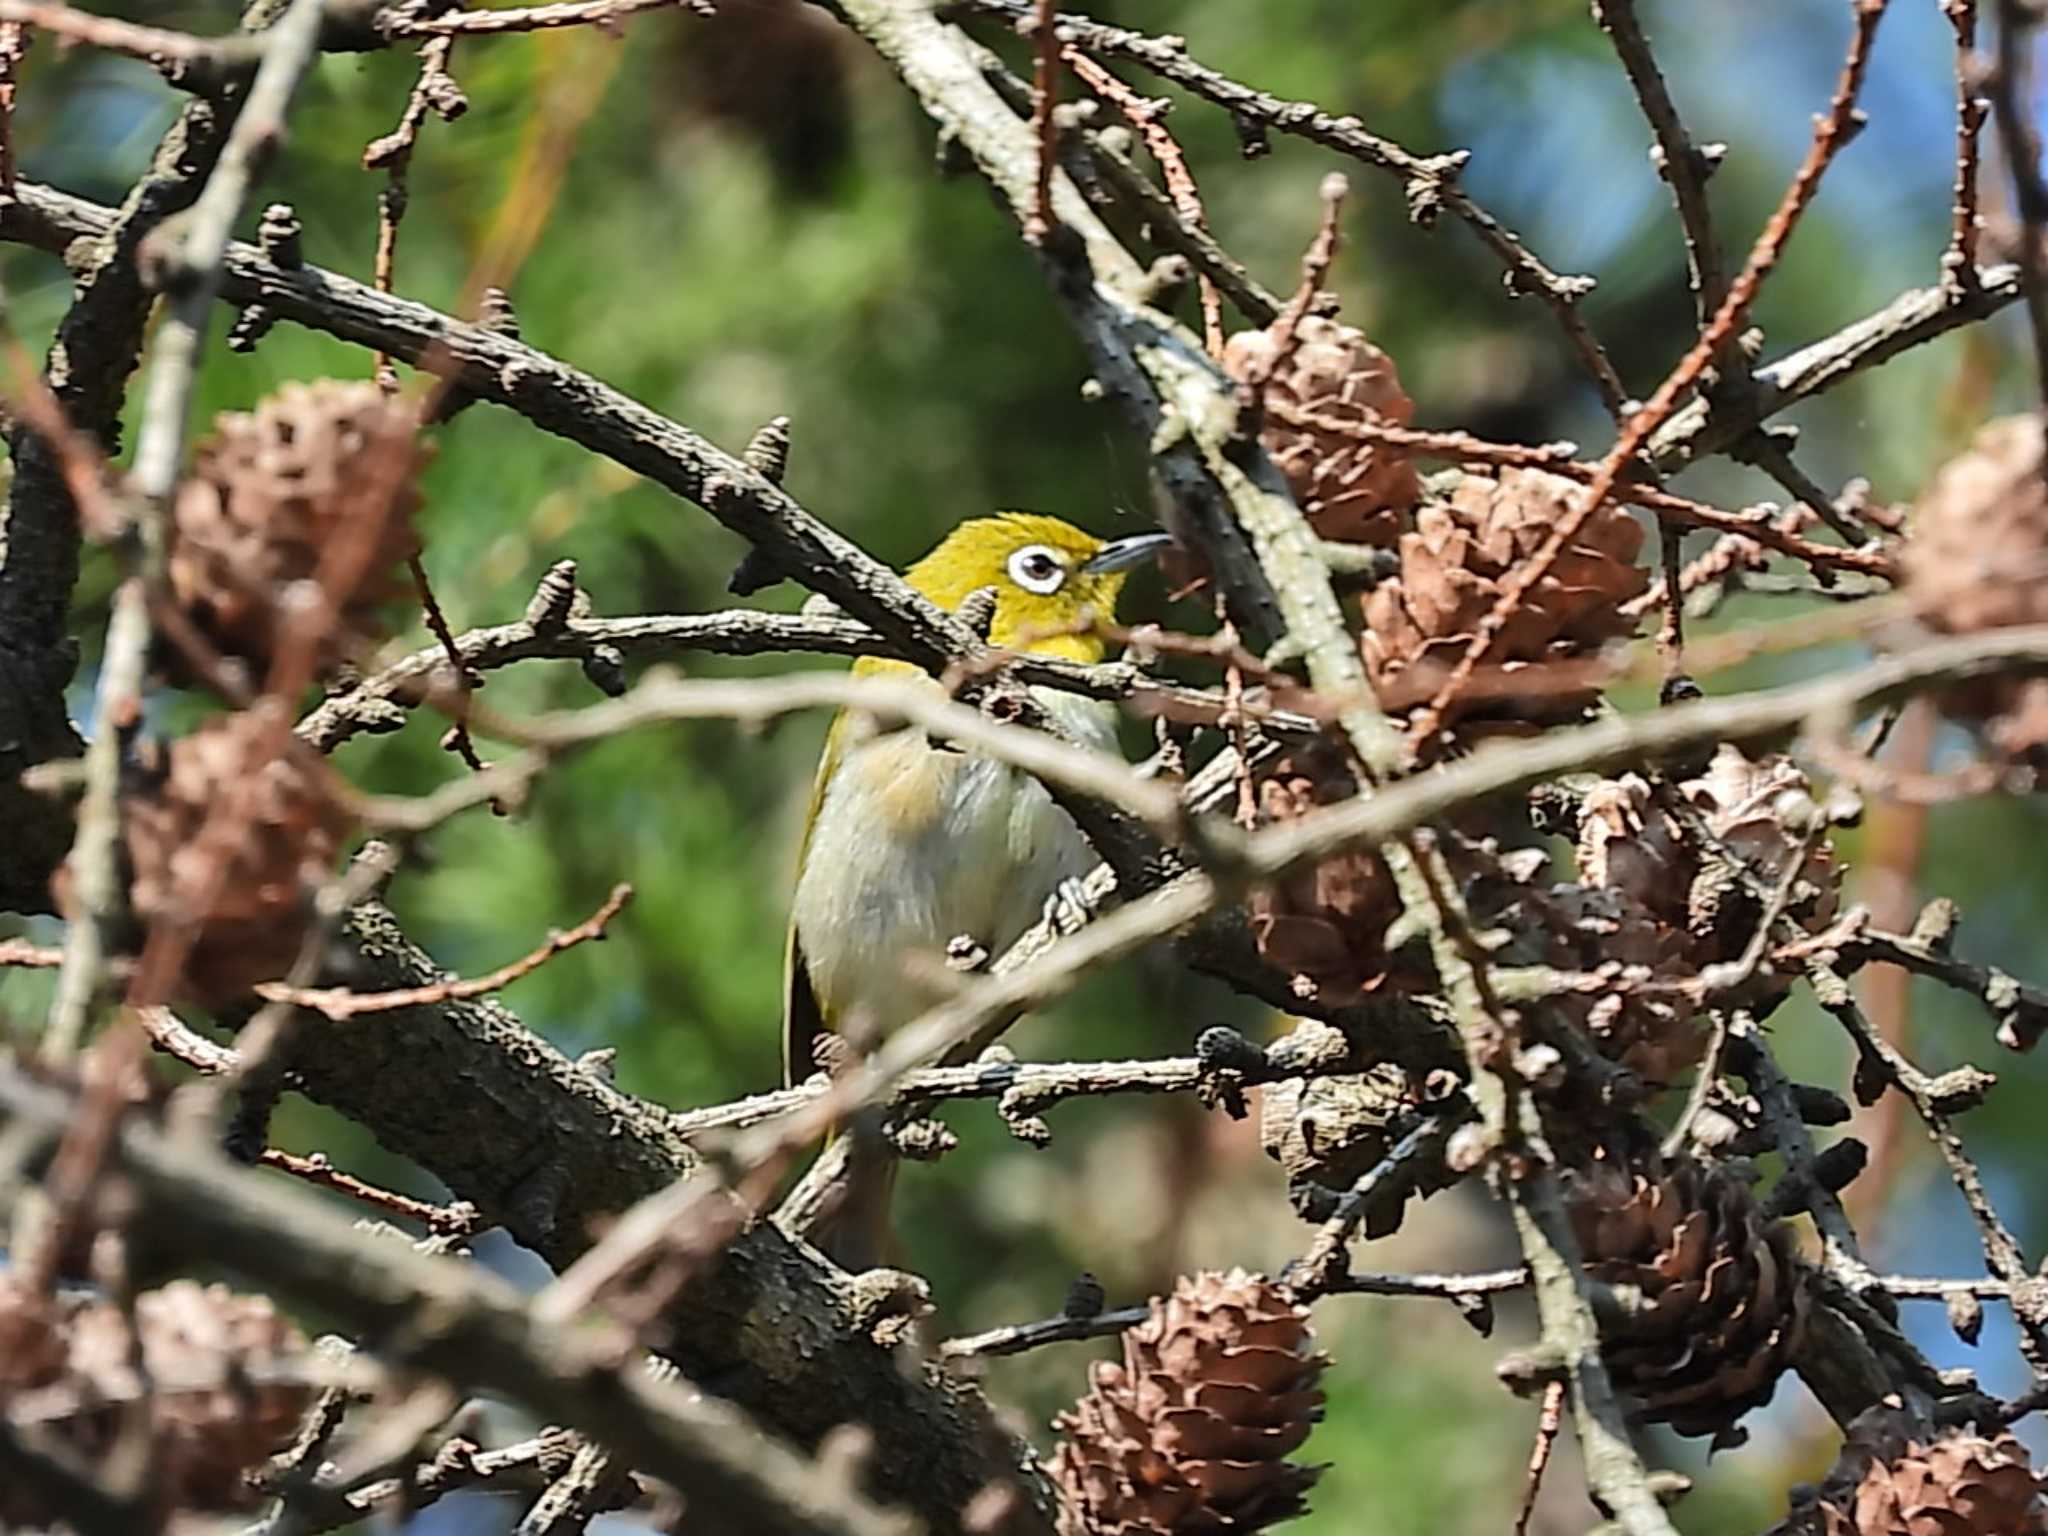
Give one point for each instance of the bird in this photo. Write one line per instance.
(910, 844)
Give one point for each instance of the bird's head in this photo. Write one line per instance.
(1049, 578)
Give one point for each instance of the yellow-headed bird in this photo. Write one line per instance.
(910, 844)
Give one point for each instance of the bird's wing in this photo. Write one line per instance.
(803, 1017)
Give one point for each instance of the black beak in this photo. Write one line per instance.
(1122, 554)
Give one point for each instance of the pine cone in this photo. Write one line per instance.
(1191, 1432)
(1325, 1132)
(1452, 567)
(1656, 1035)
(240, 878)
(1978, 559)
(1351, 491)
(1758, 809)
(1324, 926)
(204, 1351)
(316, 482)
(1722, 1306)
(1888, 1482)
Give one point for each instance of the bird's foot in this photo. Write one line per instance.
(1067, 908)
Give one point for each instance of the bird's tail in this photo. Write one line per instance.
(855, 1233)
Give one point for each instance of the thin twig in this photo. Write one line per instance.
(1323, 1267)
(1430, 181)
(1045, 128)
(397, 23)
(1683, 165)
(1548, 1423)
(1315, 270)
(452, 1221)
(340, 1004)
(457, 739)
(1146, 118)
(2012, 105)
(1833, 131)
(1937, 1100)
(1959, 262)
(118, 36)
(15, 37)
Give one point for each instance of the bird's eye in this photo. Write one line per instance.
(1038, 569)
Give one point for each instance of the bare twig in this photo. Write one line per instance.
(340, 1004)
(398, 23)
(1323, 1267)
(1684, 166)
(1937, 1100)
(119, 36)
(1017, 1338)
(482, 1332)
(1915, 317)
(14, 40)
(1959, 262)
(451, 1221)
(1430, 182)
(1832, 131)
(1548, 1422)
(457, 739)
(1315, 270)
(2012, 107)
(1146, 117)
(1045, 77)
(2020, 1009)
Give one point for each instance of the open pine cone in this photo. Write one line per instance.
(1324, 926)
(1978, 559)
(1191, 1433)
(240, 878)
(1657, 1035)
(1351, 491)
(1721, 1306)
(204, 1352)
(317, 481)
(1758, 809)
(1889, 1482)
(1452, 568)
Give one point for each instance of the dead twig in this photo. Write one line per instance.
(2012, 105)
(340, 1004)
(1833, 130)
(1548, 1424)
(1145, 117)
(1045, 128)
(443, 1220)
(1959, 262)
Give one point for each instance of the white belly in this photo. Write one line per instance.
(915, 846)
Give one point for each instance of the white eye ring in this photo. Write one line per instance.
(1038, 568)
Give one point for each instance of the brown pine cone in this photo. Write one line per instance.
(316, 482)
(1758, 809)
(1977, 559)
(1323, 926)
(1325, 1132)
(1191, 1433)
(1720, 1304)
(1657, 1035)
(240, 878)
(1452, 568)
(1351, 491)
(204, 1354)
(1892, 1482)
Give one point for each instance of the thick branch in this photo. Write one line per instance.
(550, 1151)
(460, 1321)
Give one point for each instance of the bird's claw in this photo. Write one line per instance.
(1067, 907)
